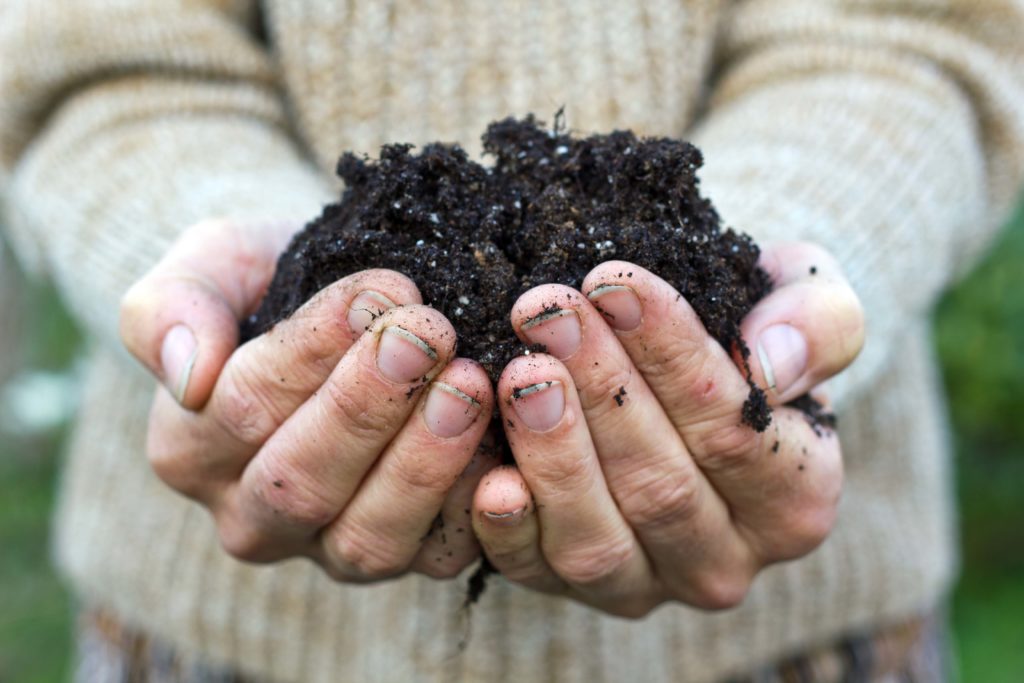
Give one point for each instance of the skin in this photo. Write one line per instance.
(641, 487)
(647, 488)
(297, 442)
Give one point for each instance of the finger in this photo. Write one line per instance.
(702, 390)
(657, 486)
(181, 319)
(505, 521)
(585, 538)
(694, 378)
(310, 467)
(265, 381)
(808, 329)
(451, 545)
(383, 527)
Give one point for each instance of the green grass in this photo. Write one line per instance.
(980, 332)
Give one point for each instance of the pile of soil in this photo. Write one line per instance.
(550, 208)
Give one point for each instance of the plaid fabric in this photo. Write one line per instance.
(914, 651)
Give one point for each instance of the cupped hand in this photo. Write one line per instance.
(636, 483)
(346, 434)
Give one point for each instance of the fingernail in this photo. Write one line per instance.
(365, 308)
(540, 406)
(558, 330)
(402, 356)
(619, 305)
(449, 411)
(782, 351)
(178, 357)
(506, 518)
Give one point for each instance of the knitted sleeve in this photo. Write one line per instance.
(891, 132)
(121, 123)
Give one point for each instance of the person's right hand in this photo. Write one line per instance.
(346, 434)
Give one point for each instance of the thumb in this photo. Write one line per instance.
(181, 319)
(808, 329)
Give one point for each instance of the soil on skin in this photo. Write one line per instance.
(549, 209)
(552, 207)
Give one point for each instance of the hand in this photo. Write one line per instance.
(321, 437)
(636, 483)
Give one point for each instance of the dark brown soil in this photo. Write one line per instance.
(473, 238)
(549, 209)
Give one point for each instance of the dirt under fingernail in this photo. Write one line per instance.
(547, 207)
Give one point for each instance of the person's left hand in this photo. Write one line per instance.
(636, 482)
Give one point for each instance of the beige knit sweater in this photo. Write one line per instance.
(891, 131)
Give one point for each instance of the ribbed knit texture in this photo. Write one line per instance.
(892, 132)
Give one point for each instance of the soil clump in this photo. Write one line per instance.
(550, 208)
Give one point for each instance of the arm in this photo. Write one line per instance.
(121, 125)
(896, 142)
(891, 134)
(124, 123)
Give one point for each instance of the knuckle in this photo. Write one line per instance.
(337, 573)
(131, 306)
(249, 378)
(526, 573)
(421, 475)
(295, 504)
(244, 542)
(174, 465)
(723, 447)
(359, 418)
(663, 499)
(520, 564)
(677, 355)
(803, 531)
(135, 318)
(305, 510)
(168, 464)
(840, 307)
(594, 565)
(693, 374)
(718, 591)
(596, 388)
(442, 568)
(564, 474)
(240, 409)
(849, 320)
(313, 344)
(366, 555)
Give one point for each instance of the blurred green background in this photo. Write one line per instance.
(980, 333)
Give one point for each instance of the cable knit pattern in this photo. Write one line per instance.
(890, 131)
